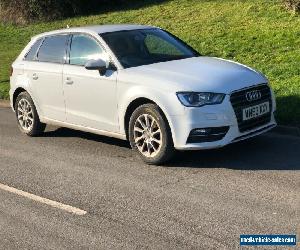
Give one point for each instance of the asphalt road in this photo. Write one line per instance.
(203, 200)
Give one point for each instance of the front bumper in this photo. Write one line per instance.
(212, 116)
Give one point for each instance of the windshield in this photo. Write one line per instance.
(146, 46)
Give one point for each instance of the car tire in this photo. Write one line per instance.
(27, 116)
(150, 135)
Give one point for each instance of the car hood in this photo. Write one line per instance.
(206, 74)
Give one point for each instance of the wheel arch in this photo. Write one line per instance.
(134, 104)
(16, 93)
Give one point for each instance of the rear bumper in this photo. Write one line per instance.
(11, 97)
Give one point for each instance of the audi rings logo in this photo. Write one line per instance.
(253, 95)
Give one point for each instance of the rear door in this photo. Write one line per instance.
(45, 75)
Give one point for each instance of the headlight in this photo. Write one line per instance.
(194, 99)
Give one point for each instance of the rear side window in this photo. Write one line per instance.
(53, 49)
(83, 49)
(31, 55)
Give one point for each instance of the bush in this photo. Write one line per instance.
(293, 5)
(24, 11)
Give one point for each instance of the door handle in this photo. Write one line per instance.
(69, 80)
(35, 76)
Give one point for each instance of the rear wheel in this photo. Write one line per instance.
(150, 135)
(27, 116)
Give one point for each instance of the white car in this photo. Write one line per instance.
(138, 83)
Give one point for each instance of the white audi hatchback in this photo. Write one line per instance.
(138, 83)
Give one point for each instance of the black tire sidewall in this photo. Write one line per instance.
(167, 148)
(37, 127)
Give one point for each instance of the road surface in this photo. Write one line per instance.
(202, 200)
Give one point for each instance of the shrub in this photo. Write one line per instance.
(293, 5)
(24, 11)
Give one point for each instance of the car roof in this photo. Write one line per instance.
(99, 29)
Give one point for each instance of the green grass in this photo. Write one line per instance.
(259, 33)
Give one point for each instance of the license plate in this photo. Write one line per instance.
(255, 111)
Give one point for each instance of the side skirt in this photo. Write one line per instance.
(83, 128)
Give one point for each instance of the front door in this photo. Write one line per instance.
(90, 97)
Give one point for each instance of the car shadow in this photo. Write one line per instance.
(266, 152)
(65, 132)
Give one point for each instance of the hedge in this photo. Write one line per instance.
(24, 11)
(293, 5)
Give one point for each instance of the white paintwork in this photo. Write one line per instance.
(98, 103)
(83, 128)
(45, 80)
(42, 200)
(91, 99)
(205, 74)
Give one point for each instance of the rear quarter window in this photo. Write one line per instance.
(53, 49)
(31, 54)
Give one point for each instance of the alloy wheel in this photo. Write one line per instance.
(147, 135)
(25, 114)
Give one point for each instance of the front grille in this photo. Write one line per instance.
(239, 102)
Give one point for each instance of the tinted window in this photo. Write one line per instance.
(146, 46)
(84, 48)
(53, 49)
(30, 56)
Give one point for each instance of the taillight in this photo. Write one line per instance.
(11, 71)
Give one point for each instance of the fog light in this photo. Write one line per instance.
(201, 131)
(199, 135)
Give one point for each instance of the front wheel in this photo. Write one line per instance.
(27, 116)
(150, 135)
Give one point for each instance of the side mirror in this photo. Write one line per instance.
(98, 64)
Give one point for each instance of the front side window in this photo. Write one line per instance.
(31, 55)
(53, 49)
(83, 49)
(146, 46)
